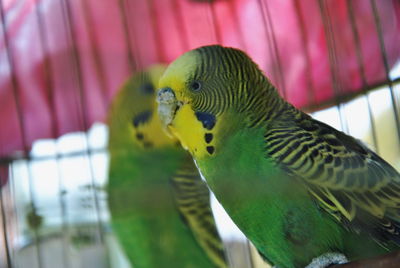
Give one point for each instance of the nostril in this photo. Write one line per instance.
(165, 95)
(165, 89)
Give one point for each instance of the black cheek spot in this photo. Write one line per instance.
(210, 149)
(208, 120)
(208, 137)
(141, 118)
(139, 136)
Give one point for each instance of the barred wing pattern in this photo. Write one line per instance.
(346, 178)
(192, 197)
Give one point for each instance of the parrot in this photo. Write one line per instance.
(304, 193)
(159, 205)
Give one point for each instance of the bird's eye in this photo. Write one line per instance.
(195, 86)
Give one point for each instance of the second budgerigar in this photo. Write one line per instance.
(160, 207)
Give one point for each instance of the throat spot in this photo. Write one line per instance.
(142, 140)
(208, 137)
(141, 118)
(208, 120)
(210, 149)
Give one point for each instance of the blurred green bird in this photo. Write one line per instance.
(160, 207)
(296, 187)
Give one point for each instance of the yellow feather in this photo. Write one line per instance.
(189, 131)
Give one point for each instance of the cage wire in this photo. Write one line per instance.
(53, 203)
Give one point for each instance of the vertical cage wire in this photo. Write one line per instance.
(360, 60)
(134, 62)
(306, 52)
(49, 84)
(333, 62)
(69, 25)
(123, 8)
(274, 52)
(5, 227)
(17, 100)
(377, 20)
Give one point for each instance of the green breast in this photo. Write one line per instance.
(144, 216)
(272, 209)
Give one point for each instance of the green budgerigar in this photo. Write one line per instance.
(300, 190)
(160, 206)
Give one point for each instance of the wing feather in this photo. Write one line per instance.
(192, 197)
(347, 179)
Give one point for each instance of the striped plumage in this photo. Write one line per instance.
(346, 178)
(193, 201)
(214, 98)
(295, 186)
(150, 179)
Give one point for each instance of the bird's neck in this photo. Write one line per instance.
(264, 105)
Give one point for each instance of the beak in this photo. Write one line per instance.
(168, 105)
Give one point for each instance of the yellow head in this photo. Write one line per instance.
(133, 118)
(206, 86)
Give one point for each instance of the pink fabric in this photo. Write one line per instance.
(65, 77)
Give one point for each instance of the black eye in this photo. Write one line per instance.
(195, 86)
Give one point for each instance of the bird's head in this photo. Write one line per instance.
(203, 85)
(133, 116)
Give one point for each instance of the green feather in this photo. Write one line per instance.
(144, 191)
(296, 187)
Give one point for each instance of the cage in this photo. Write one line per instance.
(62, 61)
